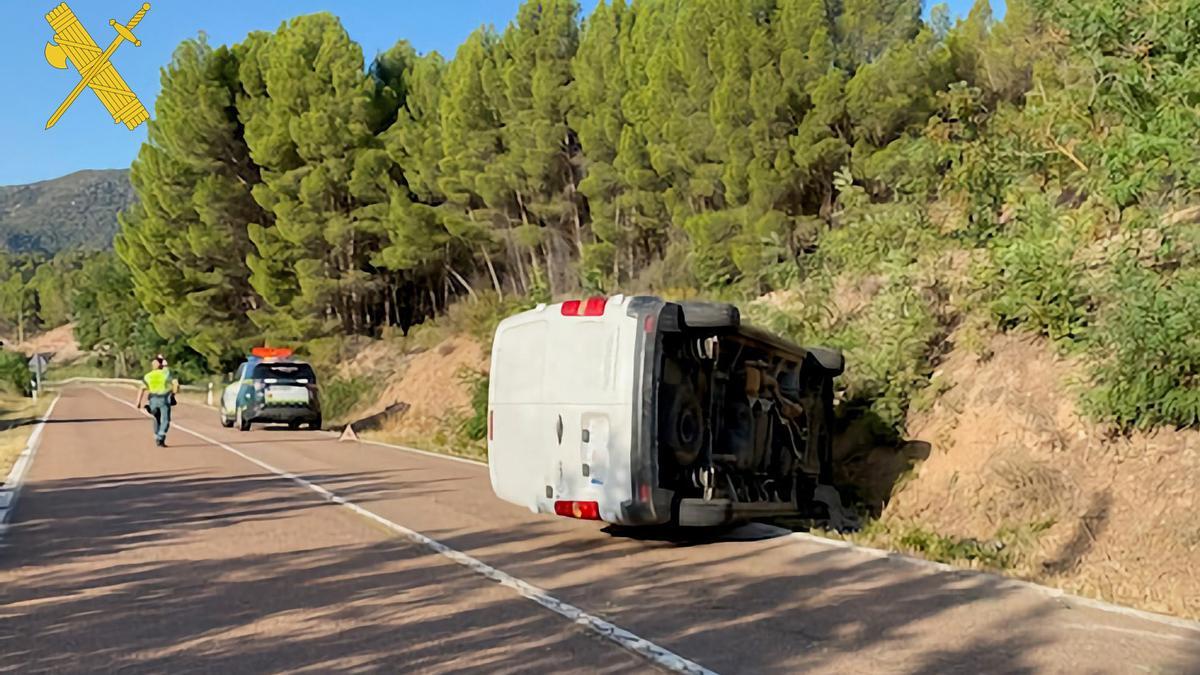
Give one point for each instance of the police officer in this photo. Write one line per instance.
(162, 386)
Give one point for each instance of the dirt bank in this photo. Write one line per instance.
(426, 388)
(58, 341)
(1012, 462)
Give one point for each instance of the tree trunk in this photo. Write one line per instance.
(491, 270)
(459, 278)
(575, 217)
(547, 251)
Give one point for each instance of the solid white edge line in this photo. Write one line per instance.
(16, 476)
(895, 556)
(658, 655)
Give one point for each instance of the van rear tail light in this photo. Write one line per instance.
(595, 307)
(644, 492)
(581, 510)
(589, 307)
(648, 324)
(491, 424)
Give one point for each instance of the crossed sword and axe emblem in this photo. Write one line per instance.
(72, 42)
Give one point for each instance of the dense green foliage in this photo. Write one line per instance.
(94, 291)
(341, 395)
(76, 211)
(14, 373)
(964, 171)
(474, 426)
(36, 291)
(111, 323)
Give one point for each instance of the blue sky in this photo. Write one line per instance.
(86, 138)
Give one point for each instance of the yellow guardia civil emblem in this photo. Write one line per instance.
(72, 42)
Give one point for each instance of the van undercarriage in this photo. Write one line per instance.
(743, 420)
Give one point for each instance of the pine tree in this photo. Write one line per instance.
(479, 206)
(185, 240)
(312, 117)
(541, 157)
(599, 87)
(866, 29)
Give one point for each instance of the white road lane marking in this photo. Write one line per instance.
(904, 559)
(660, 656)
(10, 493)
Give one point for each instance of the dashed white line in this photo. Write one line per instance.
(652, 652)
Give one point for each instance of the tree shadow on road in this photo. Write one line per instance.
(125, 572)
(99, 515)
(174, 572)
(824, 609)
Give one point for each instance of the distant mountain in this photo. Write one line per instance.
(76, 211)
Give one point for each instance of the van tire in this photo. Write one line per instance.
(711, 315)
(685, 410)
(242, 423)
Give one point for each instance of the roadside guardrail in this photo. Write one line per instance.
(47, 384)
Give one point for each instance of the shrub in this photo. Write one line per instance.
(14, 373)
(474, 426)
(341, 395)
(1033, 281)
(1146, 350)
(875, 235)
(888, 345)
(888, 352)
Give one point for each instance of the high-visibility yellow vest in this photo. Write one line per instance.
(158, 381)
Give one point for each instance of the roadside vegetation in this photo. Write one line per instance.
(18, 415)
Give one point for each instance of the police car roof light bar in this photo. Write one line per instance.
(272, 352)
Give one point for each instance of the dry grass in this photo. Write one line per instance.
(442, 443)
(17, 418)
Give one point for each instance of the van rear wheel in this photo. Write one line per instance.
(242, 423)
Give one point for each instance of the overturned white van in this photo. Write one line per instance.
(639, 411)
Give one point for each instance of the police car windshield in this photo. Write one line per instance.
(284, 372)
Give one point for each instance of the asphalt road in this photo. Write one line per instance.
(195, 558)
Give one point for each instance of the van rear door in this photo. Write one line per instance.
(589, 390)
